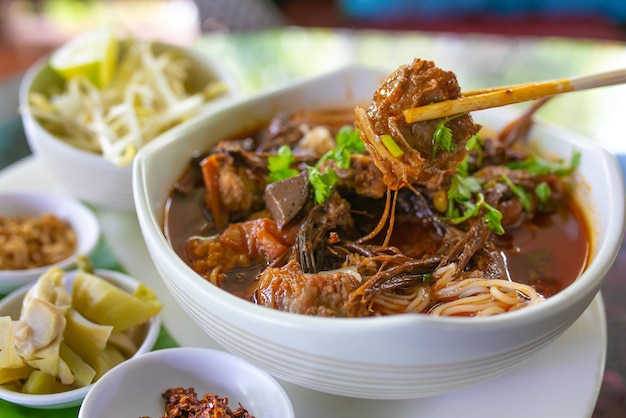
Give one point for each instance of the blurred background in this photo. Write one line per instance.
(29, 28)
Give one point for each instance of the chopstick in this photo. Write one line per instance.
(505, 95)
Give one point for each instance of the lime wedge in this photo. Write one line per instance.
(90, 54)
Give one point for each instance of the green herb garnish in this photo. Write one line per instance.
(442, 137)
(461, 190)
(391, 145)
(322, 183)
(460, 196)
(492, 217)
(350, 139)
(536, 165)
(472, 144)
(543, 193)
(349, 142)
(522, 195)
(279, 165)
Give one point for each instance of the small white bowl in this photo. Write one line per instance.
(87, 175)
(12, 305)
(81, 219)
(134, 388)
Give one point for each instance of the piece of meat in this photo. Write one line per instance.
(234, 180)
(310, 245)
(323, 294)
(285, 198)
(282, 130)
(239, 245)
(417, 84)
(363, 177)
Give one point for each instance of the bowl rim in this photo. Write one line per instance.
(157, 356)
(603, 256)
(87, 230)
(74, 396)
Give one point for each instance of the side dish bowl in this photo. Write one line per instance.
(134, 388)
(87, 175)
(146, 338)
(81, 219)
(384, 357)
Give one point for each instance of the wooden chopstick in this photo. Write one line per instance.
(505, 95)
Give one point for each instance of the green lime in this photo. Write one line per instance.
(90, 54)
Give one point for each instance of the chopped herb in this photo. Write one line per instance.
(279, 165)
(493, 217)
(536, 165)
(322, 183)
(442, 137)
(543, 193)
(348, 142)
(472, 144)
(350, 139)
(340, 155)
(460, 195)
(462, 190)
(391, 145)
(522, 195)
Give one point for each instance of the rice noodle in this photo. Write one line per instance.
(390, 303)
(478, 296)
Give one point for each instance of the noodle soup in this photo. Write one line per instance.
(323, 259)
(398, 356)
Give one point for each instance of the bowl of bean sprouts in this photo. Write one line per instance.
(88, 136)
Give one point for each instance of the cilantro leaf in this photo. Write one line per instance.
(472, 144)
(348, 142)
(522, 195)
(493, 217)
(462, 188)
(349, 138)
(470, 210)
(322, 183)
(460, 196)
(461, 191)
(543, 193)
(536, 165)
(442, 137)
(279, 165)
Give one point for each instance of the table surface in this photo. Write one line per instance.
(268, 59)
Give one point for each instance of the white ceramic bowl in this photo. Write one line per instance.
(389, 357)
(134, 388)
(81, 219)
(11, 306)
(87, 175)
